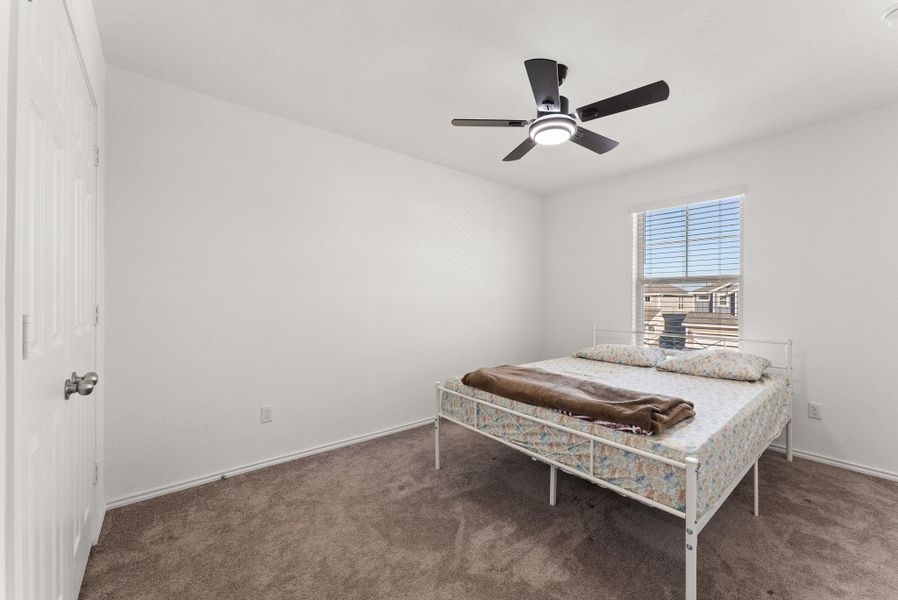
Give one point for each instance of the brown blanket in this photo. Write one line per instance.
(649, 412)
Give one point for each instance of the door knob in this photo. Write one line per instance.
(82, 385)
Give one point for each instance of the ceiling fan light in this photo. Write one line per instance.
(552, 129)
(551, 136)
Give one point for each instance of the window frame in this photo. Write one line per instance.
(639, 280)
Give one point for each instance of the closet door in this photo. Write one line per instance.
(55, 282)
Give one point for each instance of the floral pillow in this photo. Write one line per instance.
(635, 356)
(718, 363)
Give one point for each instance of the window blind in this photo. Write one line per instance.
(688, 274)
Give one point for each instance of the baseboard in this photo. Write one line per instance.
(189, 483)
(835, 462)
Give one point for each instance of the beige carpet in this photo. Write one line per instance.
(376, 521)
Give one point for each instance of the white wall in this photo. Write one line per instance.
(820, 223)
(252, 260)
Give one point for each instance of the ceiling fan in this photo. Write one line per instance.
(553, 124)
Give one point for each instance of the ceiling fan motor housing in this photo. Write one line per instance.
(564, 107)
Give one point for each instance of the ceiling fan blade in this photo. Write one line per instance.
(593, 141)
(647, 94)
(543, 75)
(524, 147)
(489, 123)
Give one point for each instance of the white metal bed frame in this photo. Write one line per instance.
(690, 465)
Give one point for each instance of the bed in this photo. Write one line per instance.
(688, 470)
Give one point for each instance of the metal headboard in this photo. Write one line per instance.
(778, 352)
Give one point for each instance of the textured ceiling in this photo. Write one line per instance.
(393, 73)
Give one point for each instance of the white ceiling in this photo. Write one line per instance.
(394, 72)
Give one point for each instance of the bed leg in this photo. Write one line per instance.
(756, 489)
(436, 429)
(691, 533)
(553, 484)
(789, 441)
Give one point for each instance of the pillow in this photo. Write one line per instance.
(717, 362)
(635, 356)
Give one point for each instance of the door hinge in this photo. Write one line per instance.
(96, 472)
(96, 315)
(96, 156)
(26, 336)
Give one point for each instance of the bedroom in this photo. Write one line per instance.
(260, 230)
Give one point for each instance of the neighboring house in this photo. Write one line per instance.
(708, 310)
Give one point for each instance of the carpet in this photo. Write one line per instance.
(375, 521)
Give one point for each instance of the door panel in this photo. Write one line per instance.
(30, 233)
(55, 279)
(34, 518)
(55, 552)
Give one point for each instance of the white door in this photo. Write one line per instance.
(55, 282)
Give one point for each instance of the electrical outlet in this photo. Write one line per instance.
(265, 414)
(814, 410)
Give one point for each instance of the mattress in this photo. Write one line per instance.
(734, 422)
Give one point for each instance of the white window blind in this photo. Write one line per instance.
(688, 274)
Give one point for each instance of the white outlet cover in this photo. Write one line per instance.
(265, 413)
(814, 410)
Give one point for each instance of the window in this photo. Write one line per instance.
(688, 273)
